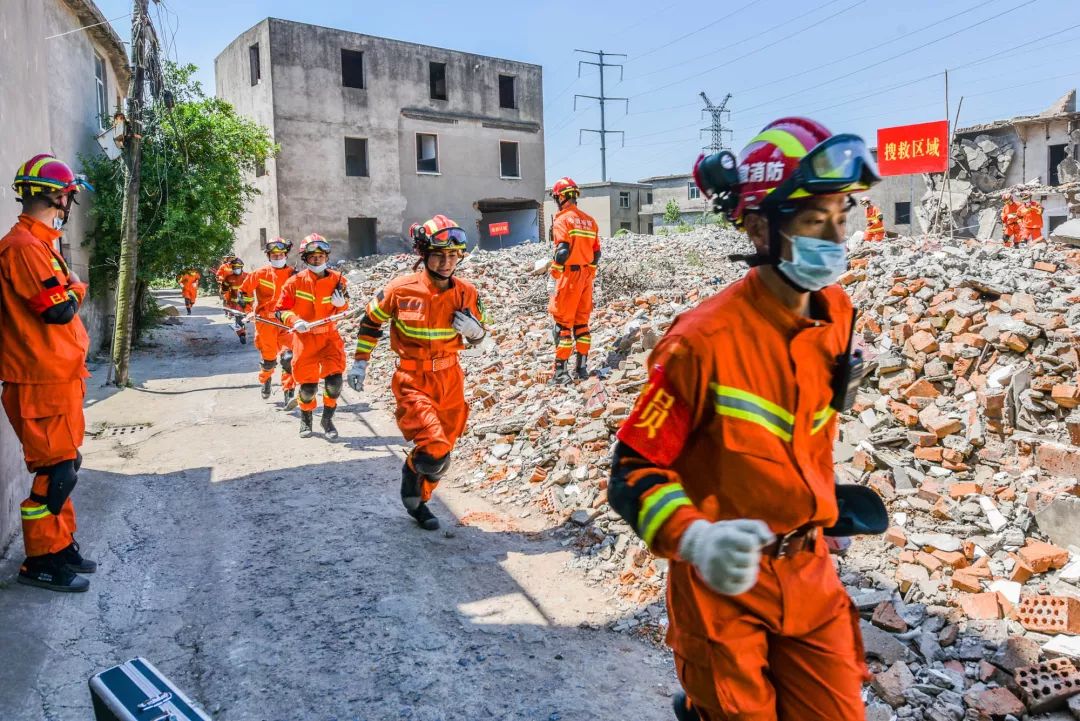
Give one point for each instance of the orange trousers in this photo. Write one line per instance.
(790, 649)
(1011, 233)
(48, 420)
(190, 292)
(315, 356)
(875, 235)
(431, 412)
(1033, 233)
(271, 341)
(571, 307)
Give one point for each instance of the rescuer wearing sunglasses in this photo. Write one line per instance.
(435, 315)
(725, 465)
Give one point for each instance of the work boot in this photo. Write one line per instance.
(305, 424)
(327, 423)
(266, 388)
(683, 710)
(51, 572)
(74, 561)
(582, 370)
(290, 399)
(562, 376)
(425, 517)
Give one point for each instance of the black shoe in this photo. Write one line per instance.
(290, 399)
(683, 710)
(305, 424)
(562, 376)
(50, 572)
(327, 423)
(425, 518)
(243, 340)
(74, 561)
(582, 370)
(266, 388)
(189, 310)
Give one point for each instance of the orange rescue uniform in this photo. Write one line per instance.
(264, 286)
(736, 422)
(43, 370)
(1010, 222)
(320, 352)
(572, 303)
(428, 384)
(875, 223)
(1031, 217)
(189, 286)
(232, 294)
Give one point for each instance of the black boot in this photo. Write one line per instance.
(74, 561)
(290, 399)
(305, 424)
(582, 370)
(266, 388)
(51, 572)
(683, 710)
(425, 518)
(562, 376)
(327, 423)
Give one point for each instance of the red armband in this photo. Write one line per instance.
(660, 422)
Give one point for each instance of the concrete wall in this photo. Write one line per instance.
(1031, 161)
(48, 103)
(885, 195)
(601, 201)
(312, 114)
(676, 188)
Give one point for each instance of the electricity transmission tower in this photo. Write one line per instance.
(717, 129)
(602, 99)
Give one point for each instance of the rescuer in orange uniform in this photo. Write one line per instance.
(264, 286)
(573, 268)
(725, 465)
(434, 315)
(225, 268)
(1031, 218)
(1010, 220)
(875, 221)
(189, 287)
(312, 295)
(43, 347)
(232, 295)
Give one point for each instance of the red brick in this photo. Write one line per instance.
(957, 325)
(924, 342)
(1014, 342)
(1073, 426)
(899, 290)
(962, 366)
(981, 606)
(934, 455)
(981, 568)
(992, 402)
(971, 339)
(995, 703)
(1049, 614)
(1042, 556)
(1042, 494)
(896, 536)
(1058, 459)
(904, 413)
(1045, 267)
(886, 617)
(1048, 685)
(966, 582)
(956, 458)
(923, 438)
(962, 489)
(928, 561)
(921, 388)
(1066, 396)
(942, 426)
(942, 509)
(953, 559)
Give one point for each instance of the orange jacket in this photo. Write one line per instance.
(422, 317)
(735, 421)
(223, 270)
(1010, 213)
(231, 290)
(578, 229)
(33, 279)
(188, 278)
(1031, 215)
(264, 288)
(306, 296)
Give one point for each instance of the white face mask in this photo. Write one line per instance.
(237, 271)
(317, 268)
(58, 223)
(278, 263)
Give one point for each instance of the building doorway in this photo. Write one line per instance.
(362, 239)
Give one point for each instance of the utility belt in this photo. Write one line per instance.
(580, 267)
(430, 365)
(801, 539)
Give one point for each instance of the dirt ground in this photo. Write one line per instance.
(278, 578)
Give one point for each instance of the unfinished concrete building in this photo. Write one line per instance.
(377, 134)
(1039, 154)
(680, 188)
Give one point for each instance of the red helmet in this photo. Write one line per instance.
(45, 174)
(412, 230)
(439, 233)
(565, 188)
(314, 243)
(236, 263)
(278, 245)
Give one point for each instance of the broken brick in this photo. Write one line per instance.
(981, 606)
(886, 617)
(952, 559)
(895, 535)
(928, 561)
(962, 489)
(967, 582)
(1042, 556)
(1066, 396)
(1047, 686)
(942, 426)
(1045, 267)
(1049, 614)
(1014, 342)
(995, 703)
(934, 455)
(921, 388)
(923, 342)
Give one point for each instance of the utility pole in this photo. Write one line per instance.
(602, 99)
(717, 129)
(143, 52)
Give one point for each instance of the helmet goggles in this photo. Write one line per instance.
(448, 239)
(277, 246)
(839, 164)
(317, 246)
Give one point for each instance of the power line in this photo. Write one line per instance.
(602, 100)
(734, 12)
(717, 129)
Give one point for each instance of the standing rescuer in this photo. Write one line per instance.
(264, 288)
(434, 316)
(1031, 218)
(232, 295)
(189, 287)
(43, 347)
(573, 268)
(312, 295)
(725, 464)
(875, 221)
(1010, 220)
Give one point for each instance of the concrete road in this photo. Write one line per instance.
(278, 578)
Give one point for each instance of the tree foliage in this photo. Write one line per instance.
(672, 212)
(198, 161)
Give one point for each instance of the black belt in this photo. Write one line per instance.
(792, 542)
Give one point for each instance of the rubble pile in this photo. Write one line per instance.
(968, 425)
(976, 176)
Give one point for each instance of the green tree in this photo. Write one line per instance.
(672, 213)
(197, 164)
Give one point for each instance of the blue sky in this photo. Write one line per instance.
(855, 65)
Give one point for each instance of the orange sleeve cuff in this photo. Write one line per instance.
(666, 542)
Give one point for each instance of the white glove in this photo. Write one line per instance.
(249, 317)
(301, 326)
(550, 286)
(357, 374)
(467, 326)
(337, 299)
(726, 553)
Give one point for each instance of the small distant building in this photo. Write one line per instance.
(615, 206)
(681, 189)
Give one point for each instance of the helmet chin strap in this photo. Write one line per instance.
(774, 218)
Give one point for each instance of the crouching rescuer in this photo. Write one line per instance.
(433, 316)
(725, 465)
(43, 347)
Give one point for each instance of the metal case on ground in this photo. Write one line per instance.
(136, 691)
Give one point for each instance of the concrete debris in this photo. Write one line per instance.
(967, 425)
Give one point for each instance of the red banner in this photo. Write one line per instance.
(497, 229)
(906, 149)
